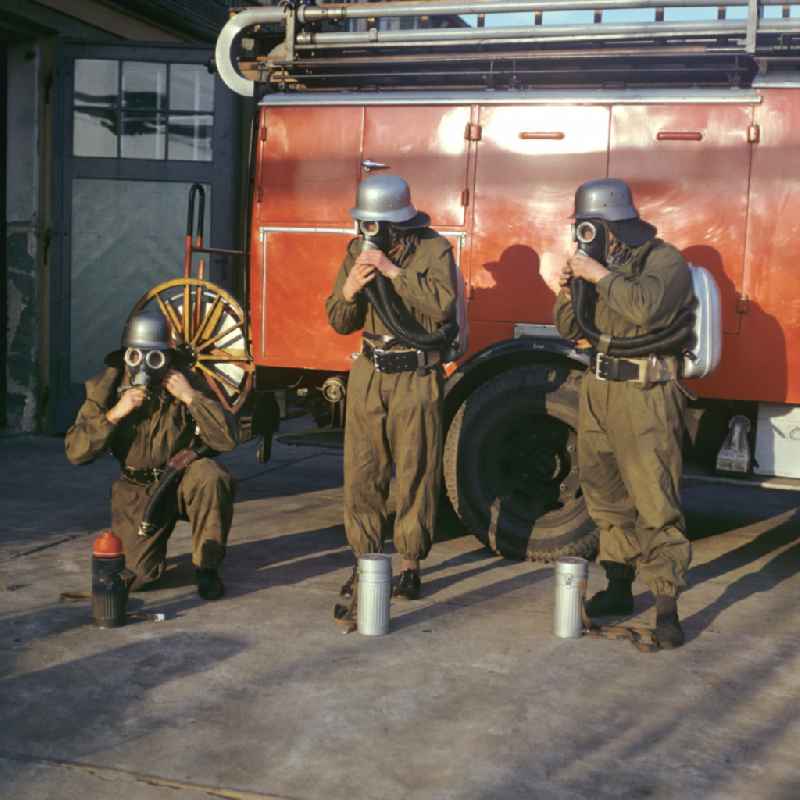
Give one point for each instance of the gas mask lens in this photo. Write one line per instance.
(585, 232)
(156, 359)
(369, 227)
(133, 357)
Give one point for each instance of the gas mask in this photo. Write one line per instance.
(376, 235)
(146, 367)
(592, 239)
(147, 350)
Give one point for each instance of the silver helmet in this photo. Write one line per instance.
(387, 198)
(610, 200)
(147, 329)
(146, 348)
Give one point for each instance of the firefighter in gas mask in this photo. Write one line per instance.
(395, 389)
(631, 416)
(150, 414)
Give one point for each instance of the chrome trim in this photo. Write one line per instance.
(263, 236)
(508, 98)
(265, 229)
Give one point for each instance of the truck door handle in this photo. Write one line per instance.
(367, 165)
(527, 135)
(679, 136)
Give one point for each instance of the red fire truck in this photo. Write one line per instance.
(494, 126)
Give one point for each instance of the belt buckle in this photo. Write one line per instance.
(376, 358)
(600, 367)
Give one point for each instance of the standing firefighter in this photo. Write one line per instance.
(149, 415)
(630, 424)
(395, 389)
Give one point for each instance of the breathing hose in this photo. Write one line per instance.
(666, 341)
(391, 312)
(176, 466)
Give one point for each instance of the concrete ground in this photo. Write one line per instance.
(470, 696)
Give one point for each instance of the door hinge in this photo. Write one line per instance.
(259, 194)
(263, 134)
(743, 305)
(754, 134)
(473, 132)
(465, 198)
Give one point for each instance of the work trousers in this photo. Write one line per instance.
(630, 459)
(204, 496)
(393, 426)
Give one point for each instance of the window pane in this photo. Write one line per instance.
(144, 85)
(190, 137)
(127, 236)
(143, 136)
(96, 82)
(191, 88)
(94, 132)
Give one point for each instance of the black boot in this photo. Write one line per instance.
(209, 584)
(617, 598)
(408, 585)
(668, 627)
(346, 614)
(347, 586)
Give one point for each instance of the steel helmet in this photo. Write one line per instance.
(147, 329)
(387, 198)
(610, 200)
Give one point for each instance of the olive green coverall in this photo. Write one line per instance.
(630, 434)
(394, 421)
(147, 438)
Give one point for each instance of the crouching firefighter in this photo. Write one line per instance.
(631, 295)
(398, 284)
(160, 424)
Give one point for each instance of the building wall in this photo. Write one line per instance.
(23, 237)
(32, 31)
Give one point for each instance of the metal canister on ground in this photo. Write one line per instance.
(571, 574)
(374, 594)
(109, 582)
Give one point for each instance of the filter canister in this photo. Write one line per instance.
(374, 594)
(570, 581)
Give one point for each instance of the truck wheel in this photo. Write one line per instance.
(510, 465)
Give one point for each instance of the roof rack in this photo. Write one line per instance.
(418, 45)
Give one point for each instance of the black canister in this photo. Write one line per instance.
(109, 582)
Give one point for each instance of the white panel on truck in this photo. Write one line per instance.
(778, 440)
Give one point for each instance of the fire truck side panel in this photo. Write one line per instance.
(689, 167)
(297, 269)
(427, 146)
(309, 165)
(529, 161)
(768, 352)
(693, 189)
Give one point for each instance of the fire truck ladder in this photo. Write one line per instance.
(457, 45)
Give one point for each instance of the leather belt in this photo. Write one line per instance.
(144, 476)
(653, 369)
(393, 361)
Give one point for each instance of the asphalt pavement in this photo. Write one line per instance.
(470, 695)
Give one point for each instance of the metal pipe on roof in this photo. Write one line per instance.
(638, 30)
(401, 8)
(290, 17)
